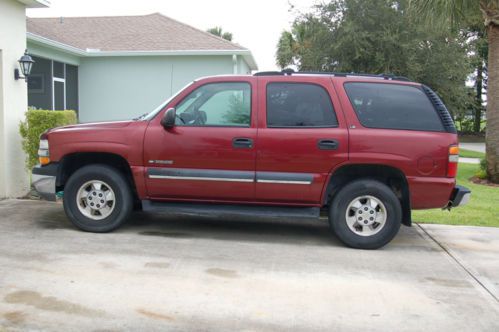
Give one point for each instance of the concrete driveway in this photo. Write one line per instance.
(163, 273)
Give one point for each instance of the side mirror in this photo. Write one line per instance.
(168, 120)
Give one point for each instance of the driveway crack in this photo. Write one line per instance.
(453, 256)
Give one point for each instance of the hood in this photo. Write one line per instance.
(94, 125)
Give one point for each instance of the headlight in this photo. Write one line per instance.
(43, 152)
(44, 144)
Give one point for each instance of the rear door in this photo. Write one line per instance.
(302, 137)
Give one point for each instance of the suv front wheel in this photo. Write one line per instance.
(365, 214)
(97, 198)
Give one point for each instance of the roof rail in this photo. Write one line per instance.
(290, 72)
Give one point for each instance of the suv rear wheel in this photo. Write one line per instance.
(365, 214)
(97, 198)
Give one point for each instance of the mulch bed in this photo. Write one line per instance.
(484, 182)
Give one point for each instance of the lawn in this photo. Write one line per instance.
(470, 154)
(481, 210)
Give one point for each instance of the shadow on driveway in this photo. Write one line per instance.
(252, 230)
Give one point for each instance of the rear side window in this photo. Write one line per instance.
(299, 105)
(392, 106)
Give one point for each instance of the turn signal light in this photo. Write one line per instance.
(44, 160)
(453, 160)
(43, 150)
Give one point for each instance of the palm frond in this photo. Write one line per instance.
(444, 13)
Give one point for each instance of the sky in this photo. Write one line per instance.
(255, 24)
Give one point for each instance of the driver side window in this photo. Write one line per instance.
(216, 104)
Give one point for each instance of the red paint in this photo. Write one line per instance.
(421, 156)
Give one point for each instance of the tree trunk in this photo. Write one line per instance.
(479, 88)
(492, 135)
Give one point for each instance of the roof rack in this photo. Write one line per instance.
(290, 72)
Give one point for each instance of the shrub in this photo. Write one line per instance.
(482, 172)
(37, 122)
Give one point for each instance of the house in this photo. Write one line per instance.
(105, 68)
(13, 102)
(118, 67)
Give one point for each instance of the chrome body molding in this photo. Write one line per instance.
(230, 176)
(200, 174)
(283, 181)
(163, 162)
(198, 178)
(284, 178)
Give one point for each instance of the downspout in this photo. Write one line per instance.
(234, 63)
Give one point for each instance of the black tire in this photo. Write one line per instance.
(123, 200)
(353, 190)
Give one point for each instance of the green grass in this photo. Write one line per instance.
(481, 210)
(471, 154)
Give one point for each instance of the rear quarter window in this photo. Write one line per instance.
(393, 106)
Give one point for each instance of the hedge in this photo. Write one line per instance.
(37, 122)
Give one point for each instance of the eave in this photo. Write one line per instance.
(246, 54)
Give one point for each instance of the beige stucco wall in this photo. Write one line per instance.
(14, 179)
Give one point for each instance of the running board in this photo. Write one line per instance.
(232, 211)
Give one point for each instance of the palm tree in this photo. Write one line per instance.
(452, 12)
(217, 31)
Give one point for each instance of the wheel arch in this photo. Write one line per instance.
(393, 177)
(74, 161)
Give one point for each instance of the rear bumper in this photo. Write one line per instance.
(460, 196)
(44, 180)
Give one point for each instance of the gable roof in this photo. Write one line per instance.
(129, 35)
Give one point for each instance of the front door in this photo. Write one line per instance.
(302, 137)
(210, 153)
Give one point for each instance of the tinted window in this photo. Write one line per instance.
(216, 104)
(299, 105)
(393, 106)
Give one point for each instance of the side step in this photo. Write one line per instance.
(232, 211)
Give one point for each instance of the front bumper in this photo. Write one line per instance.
(460, 196)
(44, 180)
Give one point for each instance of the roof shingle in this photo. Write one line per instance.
(154, 32)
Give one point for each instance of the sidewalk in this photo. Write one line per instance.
(477, 147)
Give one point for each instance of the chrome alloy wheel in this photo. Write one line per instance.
(95, 200)
(366, 215)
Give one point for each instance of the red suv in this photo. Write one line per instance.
(364, 148)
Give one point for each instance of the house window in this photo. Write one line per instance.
(53, 85)
(58, 86)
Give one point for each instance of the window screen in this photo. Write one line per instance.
(299, 105)
(58, 69)
(393, 106)
(216, 104)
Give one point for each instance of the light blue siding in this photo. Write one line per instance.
(242, 66)
(118, 88)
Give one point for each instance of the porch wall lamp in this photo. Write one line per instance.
(25, 63)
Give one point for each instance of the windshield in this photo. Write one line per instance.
(151, 115)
